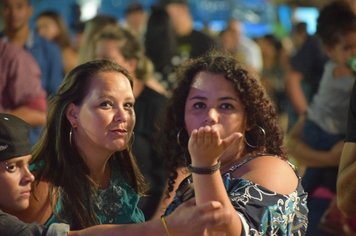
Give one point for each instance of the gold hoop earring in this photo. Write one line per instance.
(257, 142)
(70, 135)
(178, 137)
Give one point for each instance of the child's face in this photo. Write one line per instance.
(345, 49)
(15, 184)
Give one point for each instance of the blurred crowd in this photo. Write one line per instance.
(151, 44)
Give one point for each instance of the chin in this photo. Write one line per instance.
(23, 205)
(16, 207)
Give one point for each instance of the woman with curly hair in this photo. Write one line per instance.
(222, 130)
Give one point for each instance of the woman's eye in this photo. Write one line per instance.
(11, 167)
(199, 105)
(106, 104)
(226, 106)
(129, 105)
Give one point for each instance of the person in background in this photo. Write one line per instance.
(346, 190)
(324, 123)
(16, 15)
(51, 26)
(91, 28)
(21, 93)
(191, 43)
(248, 51)
(16, 178)
(161, 46)
(303, 72)
(122, 47)
(275, 64)
(222, 132)
(136, 20)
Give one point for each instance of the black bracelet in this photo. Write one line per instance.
(204, 170)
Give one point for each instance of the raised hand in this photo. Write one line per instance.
(206, 146)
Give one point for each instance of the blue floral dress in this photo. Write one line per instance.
(262, 212)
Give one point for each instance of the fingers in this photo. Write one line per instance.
(232, 139)
(205, 135)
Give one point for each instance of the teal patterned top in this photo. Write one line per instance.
(117, 204)
(262, 212)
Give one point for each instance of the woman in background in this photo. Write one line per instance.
(52, 27)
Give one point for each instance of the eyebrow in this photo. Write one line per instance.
(220, 99)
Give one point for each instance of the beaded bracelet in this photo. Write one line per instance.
(163, 220)
(204, 170)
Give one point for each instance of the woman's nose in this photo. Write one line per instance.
(28, 176)
(120, 115)
(212, 117)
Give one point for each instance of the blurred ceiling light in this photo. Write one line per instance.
(89, 9)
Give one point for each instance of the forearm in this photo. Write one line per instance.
(309, 157)
(31, 116)
(346, 182)
(306, 155)
(346, 190)
(295, 92)
(153, 227)
(211, 187)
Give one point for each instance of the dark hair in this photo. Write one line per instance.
(300, 28)
(134, 7)
(335, 19)
(165, 3)
(59, 161)
(160, 39)
(260, 110)
(63, 38)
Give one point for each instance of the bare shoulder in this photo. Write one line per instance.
(273, 173)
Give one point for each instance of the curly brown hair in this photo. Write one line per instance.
(259, 109)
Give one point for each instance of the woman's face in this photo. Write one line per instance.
(213, 101)
(15, 184)
(47, 28)
(106, 117)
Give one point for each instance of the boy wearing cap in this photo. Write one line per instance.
(16, 179)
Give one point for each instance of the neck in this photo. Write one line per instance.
(19, 36)
(97, 162)
(101, 175)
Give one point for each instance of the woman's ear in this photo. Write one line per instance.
(72, 114)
